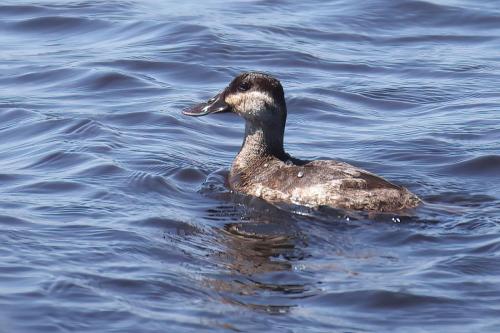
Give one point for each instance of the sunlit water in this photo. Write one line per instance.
(113, 206)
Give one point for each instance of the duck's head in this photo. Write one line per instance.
(255, 96)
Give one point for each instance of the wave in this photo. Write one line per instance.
(485, 166)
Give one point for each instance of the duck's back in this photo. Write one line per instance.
(321, 183)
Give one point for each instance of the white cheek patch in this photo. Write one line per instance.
(234, 100)
(250, 102)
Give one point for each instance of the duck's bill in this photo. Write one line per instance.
(213, 105)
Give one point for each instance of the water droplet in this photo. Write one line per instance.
(258, 192)
(266, 165)
(300, 174)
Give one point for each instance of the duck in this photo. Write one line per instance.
(263, 169)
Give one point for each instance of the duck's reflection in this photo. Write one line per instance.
(259, 260)
(254, 248)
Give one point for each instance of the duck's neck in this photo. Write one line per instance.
(261, 142)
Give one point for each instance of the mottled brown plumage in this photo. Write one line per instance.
(263, 169)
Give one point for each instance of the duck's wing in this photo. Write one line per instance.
(322, 173)
(332, 183)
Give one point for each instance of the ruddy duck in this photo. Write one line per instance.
(263, 169)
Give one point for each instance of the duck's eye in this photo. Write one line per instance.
(244, 86)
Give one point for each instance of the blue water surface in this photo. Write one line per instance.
(114, 212)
